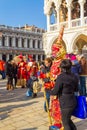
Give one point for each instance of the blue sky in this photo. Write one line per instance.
(20, 12)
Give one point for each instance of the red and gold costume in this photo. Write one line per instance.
(58, 52)
(22, 72)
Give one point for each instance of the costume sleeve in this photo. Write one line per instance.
(58, 86)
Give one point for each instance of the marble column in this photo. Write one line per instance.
(7, 41)
(13, 42)
(36, 57)
(40, 44)
(81, 2)
(58, 9)
(48, 22)
(25, 42)
(69, 15)
(31, 43)
(20, 42)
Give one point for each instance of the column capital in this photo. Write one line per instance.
(69, 2)
(81, 2)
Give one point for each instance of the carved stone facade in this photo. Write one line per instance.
(25, 40)
(73, 15)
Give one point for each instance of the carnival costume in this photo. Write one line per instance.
(58, 53)
(22, 73)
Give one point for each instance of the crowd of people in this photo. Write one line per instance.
(70, 79)
(69, 82)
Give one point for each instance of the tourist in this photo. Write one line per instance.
(45, 75)
(83, 75)
(15, 70)
(9, 74)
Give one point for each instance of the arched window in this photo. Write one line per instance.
(85, 9)
(38, 43)
(4, 57)
(39, 57)
(3, 41)
(28, 43)
(53, 15)
(75, 12)
(33, 44)
(63, 11)
(16, 42)
(34, 57)
(10, 41)
(22, 42)
(43, 57)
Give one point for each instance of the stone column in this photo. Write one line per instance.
(13, 42)
(69, 15)
(40, 44)
(81, 2)
(5, 41)
(30, 43)
(36, 57)
(25, 42)
(58, 19)
(8, 41)
(48, 22)
(20, 42)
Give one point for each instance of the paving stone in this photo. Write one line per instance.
(18, 112)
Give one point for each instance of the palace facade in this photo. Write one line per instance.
(73, 15)
(26, 40)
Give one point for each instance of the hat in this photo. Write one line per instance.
(20, 56)
(73, 57)
(30, 56)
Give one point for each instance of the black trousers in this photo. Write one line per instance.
(10, 81)
(15, 80)
(66, 118)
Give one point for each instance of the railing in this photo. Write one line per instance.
(74, 23)
(85, 20)
(64, 23)
(20, 30)
(53, 27)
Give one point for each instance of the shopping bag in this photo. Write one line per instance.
(28, 93)
(36, 87)
(81, 108)
(53, 128)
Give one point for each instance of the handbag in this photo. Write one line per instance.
(81, 108)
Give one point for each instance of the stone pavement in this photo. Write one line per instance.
(18, 112)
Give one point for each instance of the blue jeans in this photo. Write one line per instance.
(48, 100)
(83, 85)
(3, 74)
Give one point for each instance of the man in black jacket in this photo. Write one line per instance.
(9, 73)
